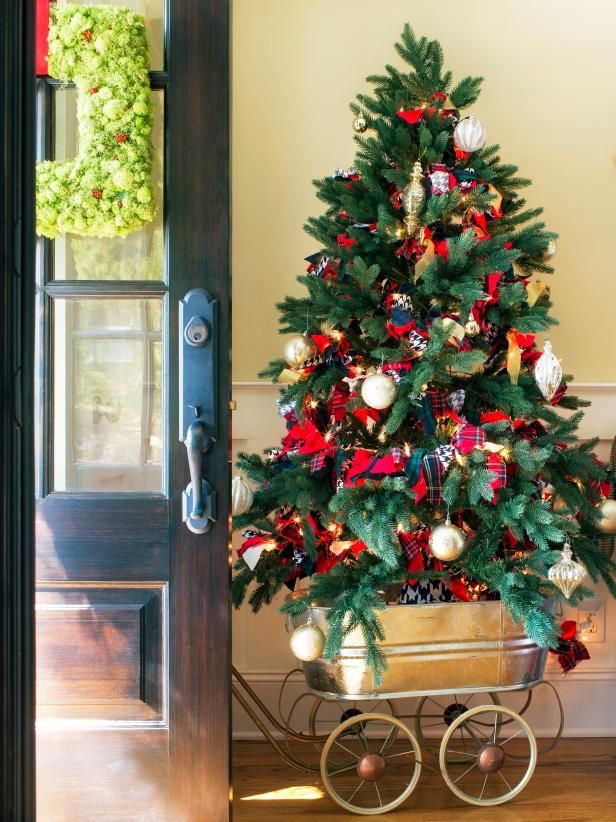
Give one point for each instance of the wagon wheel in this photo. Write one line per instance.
(326, 715)
(493, 776)
(435, 714)
(378, 774)
(551, 743)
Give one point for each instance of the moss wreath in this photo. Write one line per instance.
(106, 190)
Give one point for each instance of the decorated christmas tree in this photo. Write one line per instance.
(431, 451)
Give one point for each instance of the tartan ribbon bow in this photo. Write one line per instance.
(570, 649)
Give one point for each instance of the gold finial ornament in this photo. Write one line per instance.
(567, 574)
(413, 198)
(359, 124)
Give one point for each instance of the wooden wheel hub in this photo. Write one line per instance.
(371, 766)
(491, 758)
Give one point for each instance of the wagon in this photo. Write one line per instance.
(455, 658)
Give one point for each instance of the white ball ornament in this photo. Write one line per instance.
(307, 642)
(241, 496)
(378, 390)
(447, 541)
(469, 135)
(298, 349)
(607, 523)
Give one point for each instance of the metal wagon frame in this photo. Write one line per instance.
(371, 761)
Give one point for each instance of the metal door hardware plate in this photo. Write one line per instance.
(198, 418)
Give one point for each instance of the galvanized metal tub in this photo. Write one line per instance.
(436, 648)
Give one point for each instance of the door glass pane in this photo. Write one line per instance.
(107, 395)
(134, 256)
(154, 13)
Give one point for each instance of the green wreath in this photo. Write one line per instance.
(107, 189)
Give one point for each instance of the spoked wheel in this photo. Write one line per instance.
(503, 760)
(550, 743)
(382, 763)
(435, 714)
(326, 715)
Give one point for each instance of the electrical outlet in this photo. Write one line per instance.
(591, 620)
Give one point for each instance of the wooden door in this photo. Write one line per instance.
(132, 611)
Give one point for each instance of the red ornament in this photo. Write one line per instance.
(120, 204)
(97, 193)
(93, 90)
(121, 137)
(87, 35)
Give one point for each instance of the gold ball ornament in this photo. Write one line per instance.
(359, 124)
(307, 642)
(298, 349)
(413, 199)
(447, 541)
(378, 390)
(472, 328)
(607, 523)
(241, 496)
(567, 574)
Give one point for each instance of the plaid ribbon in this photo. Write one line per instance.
(432, 469)
(412, 542)
(570, 650)
(318, 461)
(468, 437)
(498, 467)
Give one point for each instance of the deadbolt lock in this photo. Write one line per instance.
(196, 332)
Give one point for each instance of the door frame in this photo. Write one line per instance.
(203, 42)
(17, 187)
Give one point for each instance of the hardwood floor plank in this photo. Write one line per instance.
(576, 782)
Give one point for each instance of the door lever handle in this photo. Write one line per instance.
(199, 500)
(196, 445)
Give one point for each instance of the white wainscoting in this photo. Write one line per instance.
(260, 643)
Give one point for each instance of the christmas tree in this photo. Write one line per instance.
(427, 452)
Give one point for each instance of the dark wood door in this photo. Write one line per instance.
(132, 614)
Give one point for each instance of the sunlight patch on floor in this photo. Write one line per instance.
(296, 792)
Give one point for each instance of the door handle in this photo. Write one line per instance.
(198, 419)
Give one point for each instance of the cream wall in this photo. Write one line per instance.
(547, 99)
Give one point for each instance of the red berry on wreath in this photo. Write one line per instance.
(97, 193)
(121, 137)
(120, 204)
(87, 35)
(93, 90)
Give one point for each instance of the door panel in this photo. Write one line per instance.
(132, 608)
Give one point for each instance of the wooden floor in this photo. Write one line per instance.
(576, 782)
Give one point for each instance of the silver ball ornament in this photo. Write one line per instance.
(607, 523)
(550, 250)
(359, 124)
(307, 642)
(469, 135)
(378, 390)
(298, 349)
(447, 541)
